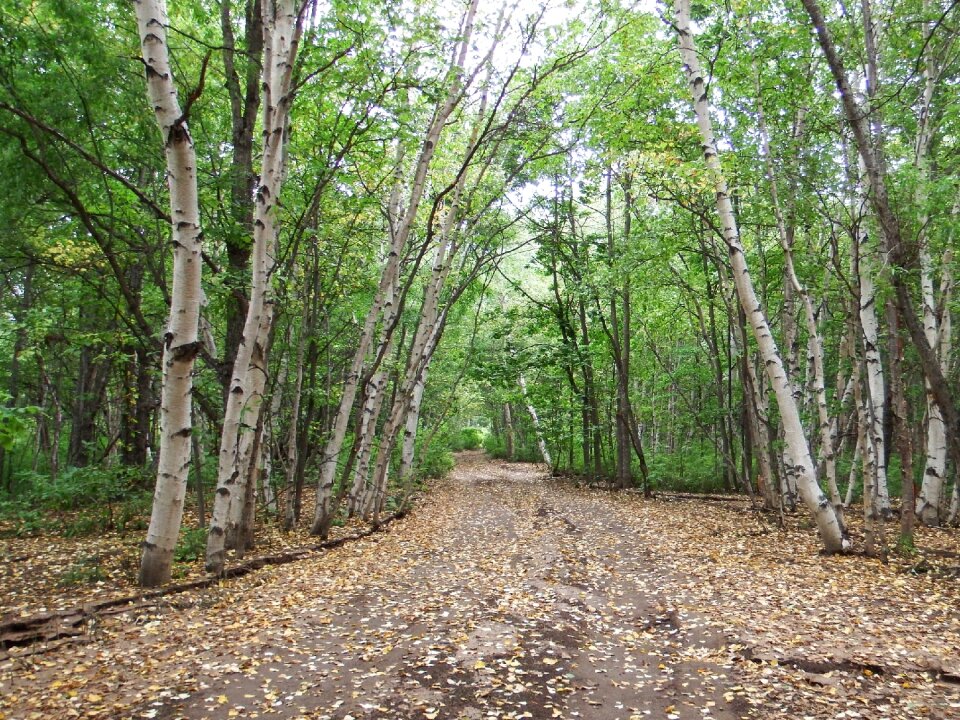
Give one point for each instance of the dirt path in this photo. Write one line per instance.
(504, 596)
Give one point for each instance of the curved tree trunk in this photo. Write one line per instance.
(896, 246)
(798, 460)
(541, 443)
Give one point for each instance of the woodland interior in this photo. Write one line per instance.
(518, 359)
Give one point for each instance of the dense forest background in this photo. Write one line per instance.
(324, 244)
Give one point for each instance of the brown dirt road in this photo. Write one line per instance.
(504, 595)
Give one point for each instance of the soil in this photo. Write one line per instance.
(505, 594)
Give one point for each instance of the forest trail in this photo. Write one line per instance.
(505, 594)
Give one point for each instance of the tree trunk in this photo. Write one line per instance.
(894, 243)
(799, 462)
(180, 344)
(541, 443)
(244, 93)
(901, 418)
(282, 27)
(289, 509)
(813, 332)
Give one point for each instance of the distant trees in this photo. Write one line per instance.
(418, 216)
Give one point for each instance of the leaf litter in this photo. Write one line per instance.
(509, 595)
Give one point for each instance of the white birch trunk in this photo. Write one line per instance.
(868, 453)
(535, 419)
(180, 339)
(424, 344)
(282, 27)
(289, 512)
(508, 429)
(798, 462)
(930, 498)
(323, 514)
(852, 478)
(875, 400)
(813, 332)
(412, 424)
(760, 429)
(944, 349)
(267, 493)
(370, 415)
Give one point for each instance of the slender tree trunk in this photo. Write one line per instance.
(875, 391)
(282, 27)
(197, 454)
(541, 443)
(931, 500)
(244, 92)
(508, 429)
(180, 339)
(800, 463)
(813, 332)
(289, 515)
(895, 245)
(901, 418)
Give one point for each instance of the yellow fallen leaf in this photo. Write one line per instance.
(94, 698)
(479, 665)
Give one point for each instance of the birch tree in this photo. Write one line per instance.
(180, 340)
(797, 458)
(535, 419)
(895, 244)
(282, 28)
(323, 512)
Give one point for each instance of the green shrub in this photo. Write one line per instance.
(495, 446)
(85, 571)
(692, 469)
(470, 438)
(16, 423)
(437, 463)
(26, 520)
(191, 546)
(75, 487)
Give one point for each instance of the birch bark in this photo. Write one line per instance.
(180, 344)
(813, 332)
(798, 461)
(282, 28)
(532, 411)
(894, 243)
(323, 512)
(930, 499)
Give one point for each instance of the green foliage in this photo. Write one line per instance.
(905, 545)
(87, 486)
(86, 571)
(192, 545)
(15, 425)
(24, 520)
(693, 470)
(469, 438)
(437, 462)
(495, 446)
(79, 502)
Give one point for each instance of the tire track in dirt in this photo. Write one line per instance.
(505, 595)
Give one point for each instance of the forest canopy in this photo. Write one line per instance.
(279, 258)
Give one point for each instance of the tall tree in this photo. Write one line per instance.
(800, 464)
(180, 341)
